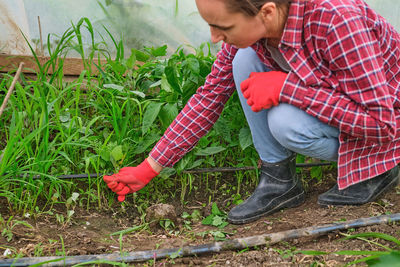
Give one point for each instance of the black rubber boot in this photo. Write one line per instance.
(279, 188)
(361, 193)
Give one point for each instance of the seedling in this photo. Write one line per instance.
(7, 227)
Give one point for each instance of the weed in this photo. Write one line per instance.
(387, 257)
(167, 224)
(6, 227)
(217, 218)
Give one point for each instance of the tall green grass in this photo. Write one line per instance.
(108, 117)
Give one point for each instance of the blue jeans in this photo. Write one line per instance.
(284, 129)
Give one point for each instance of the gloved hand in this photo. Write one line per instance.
(262, 89)
(130, 179)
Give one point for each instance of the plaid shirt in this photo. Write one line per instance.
(345, 71)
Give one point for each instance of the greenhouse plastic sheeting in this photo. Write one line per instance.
(139, 22)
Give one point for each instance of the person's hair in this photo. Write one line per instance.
(252, 7)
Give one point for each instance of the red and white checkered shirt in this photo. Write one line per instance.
(345, 62)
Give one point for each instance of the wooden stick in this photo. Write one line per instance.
(11, 89)
(41, 38)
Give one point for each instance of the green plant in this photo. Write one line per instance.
(6, 228)
(167, 224)
(374, 258)
(387, 257)
(131, 229)
(217, 218)
(287, 253)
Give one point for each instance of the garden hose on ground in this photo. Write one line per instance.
(234, 244)
(192, 171)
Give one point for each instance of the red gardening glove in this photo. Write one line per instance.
(130, 179)
(262, 89)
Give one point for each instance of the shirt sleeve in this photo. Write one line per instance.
(357, 100)
(200, 113)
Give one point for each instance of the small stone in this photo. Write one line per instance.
(159, 212)
(7, 252)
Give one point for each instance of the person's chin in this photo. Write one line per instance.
(240, 46)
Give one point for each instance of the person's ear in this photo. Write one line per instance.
(268, 12)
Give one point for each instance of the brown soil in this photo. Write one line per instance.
(88, 233)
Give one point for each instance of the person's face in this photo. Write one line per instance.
(236, 28)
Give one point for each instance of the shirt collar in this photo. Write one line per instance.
(292, 33)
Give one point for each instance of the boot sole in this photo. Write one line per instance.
(384, 190)
(290, 203)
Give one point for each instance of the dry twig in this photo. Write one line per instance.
(11, 89)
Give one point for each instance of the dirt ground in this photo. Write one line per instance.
(88, 233)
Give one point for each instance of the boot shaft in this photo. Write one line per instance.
(279, 172)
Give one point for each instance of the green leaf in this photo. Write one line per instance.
(138, 93)
(114, 86)
(185, 215)
(208, 220)
(146, 143)
(172, 79)
(193, 65)
(209, 151)
(225, 223)
(159, 51)
(70, 213)
(215, 210)
(196, 215)
(361, 252)
(223, 128)
(316, 172)
(195, 164)
(140, 56)
(165, 86)
(217, 221)
(74, 196)
(392, 260)
(375, 235)
(312, 252)
(105, 154)
(245, 139)
(65, 117)
(150, 115)
(130, 62)
(168, 113)
(218, 234)
(176, 254)
(116, 153)
(300, 158)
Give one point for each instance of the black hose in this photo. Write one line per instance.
(234, 244)
(249, 168)
(193, 171)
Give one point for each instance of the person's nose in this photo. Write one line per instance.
(216, 35)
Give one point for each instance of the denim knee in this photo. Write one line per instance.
(302, 133)
(284, 131)
(244, 57)
(245, 62)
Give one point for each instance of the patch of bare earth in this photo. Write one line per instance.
(88, 233)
